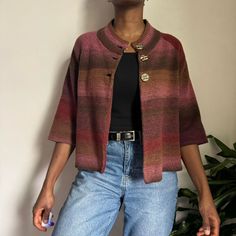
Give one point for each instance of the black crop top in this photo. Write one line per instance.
(126, 112)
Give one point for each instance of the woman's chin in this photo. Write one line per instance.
(127, 2)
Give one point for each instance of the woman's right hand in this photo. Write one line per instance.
(45, 201)
(42, 208)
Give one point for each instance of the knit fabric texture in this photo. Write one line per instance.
(169, 109)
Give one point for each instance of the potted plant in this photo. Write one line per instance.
(221, 175)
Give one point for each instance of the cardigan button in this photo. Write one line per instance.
(143, 58)
(139, 46)
(145, 77)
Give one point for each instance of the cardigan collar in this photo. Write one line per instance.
(114, 43)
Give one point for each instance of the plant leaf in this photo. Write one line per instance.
(225, 197)
(208, 166)
(234, 146)
(219, 182)
(211, 160)
(185, 192)
(186, 209)
(228, 229)
(219, 167)
(226, 151)
(230, 209)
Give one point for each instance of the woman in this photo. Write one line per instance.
(142, 144)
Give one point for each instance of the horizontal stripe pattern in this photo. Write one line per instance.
(169, 109)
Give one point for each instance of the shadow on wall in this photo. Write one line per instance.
(92, 20)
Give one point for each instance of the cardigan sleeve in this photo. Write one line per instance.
(191, 127)
(63, 128)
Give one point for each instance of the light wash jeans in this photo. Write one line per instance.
(94, 200)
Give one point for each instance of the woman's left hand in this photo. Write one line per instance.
(210, 217)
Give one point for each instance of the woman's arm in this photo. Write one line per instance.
(192, 160)
(45, 200)
(60, 155)
(193, 163)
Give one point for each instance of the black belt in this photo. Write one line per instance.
(130, 135)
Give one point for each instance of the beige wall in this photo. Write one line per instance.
(36, 40)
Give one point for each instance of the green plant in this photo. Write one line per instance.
(222, 181)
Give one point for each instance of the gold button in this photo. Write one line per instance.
(139, 46)
(145, 77)
(143, 57)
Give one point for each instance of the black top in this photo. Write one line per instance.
(126, 112)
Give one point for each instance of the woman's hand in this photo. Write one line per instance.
(192, 159)
(210, 217)
(42, 208)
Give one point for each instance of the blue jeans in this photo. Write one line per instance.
(95, 198)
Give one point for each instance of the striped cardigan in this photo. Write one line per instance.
(169, 109)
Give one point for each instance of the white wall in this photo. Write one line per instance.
(36, 41)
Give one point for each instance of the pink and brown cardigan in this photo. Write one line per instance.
(169, 109)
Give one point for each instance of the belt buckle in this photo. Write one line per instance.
(118, 135)
(133, 139)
